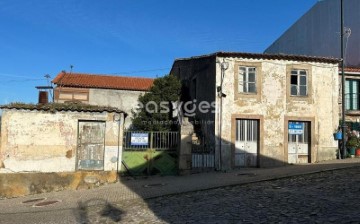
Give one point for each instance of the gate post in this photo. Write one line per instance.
(184, 151)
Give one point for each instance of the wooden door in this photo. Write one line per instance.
(91, 144)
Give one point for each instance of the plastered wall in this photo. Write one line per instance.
(125, 100)
(274, 106)
(39, 141)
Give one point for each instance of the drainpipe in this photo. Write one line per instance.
(224, 66)
(343, 125)
(117, 119)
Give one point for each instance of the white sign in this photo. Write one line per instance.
(296, 129)
(140, 139)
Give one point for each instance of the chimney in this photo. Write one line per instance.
(43, 97)
(44, 94)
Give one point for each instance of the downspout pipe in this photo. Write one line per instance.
(343, 125)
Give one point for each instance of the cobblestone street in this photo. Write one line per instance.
(325, 197)
(332, 196)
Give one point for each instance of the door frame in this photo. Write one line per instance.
(260, 119)
(77, 142)
(311, 121)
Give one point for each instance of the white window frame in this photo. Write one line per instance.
(298, 85)
(243, 79)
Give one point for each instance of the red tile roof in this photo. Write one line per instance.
(351, 69)
(82, 80)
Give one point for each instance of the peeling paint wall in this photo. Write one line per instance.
(125, 100)
(274, 105)
(39, 141)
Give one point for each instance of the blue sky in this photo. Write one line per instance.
(127, 37)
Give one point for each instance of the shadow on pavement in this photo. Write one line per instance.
(100, 209)
(159, 185)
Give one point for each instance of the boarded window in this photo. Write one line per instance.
(72, 95)
(80, 96)
(65, 96)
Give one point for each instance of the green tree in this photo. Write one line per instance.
(156, 111)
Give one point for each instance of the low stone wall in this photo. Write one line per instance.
(20, 184)
(326, 153)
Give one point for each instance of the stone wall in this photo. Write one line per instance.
(274, 107)
(21, 184)
(39, 141)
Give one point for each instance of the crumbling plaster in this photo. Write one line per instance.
(275, 105)
(39, 141)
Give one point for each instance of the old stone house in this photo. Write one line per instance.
(102, 90)
(265, 110)
(60, 138)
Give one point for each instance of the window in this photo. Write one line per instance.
(71, 95)
(298, 82)
(247, 80)
(352, 94)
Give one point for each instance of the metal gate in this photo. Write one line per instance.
(91, 143)
(150, 153)
(246, 143)
(298, 142)
(202, 157)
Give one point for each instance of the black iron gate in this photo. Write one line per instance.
(150, 153)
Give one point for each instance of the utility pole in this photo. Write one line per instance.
(47, 76)
(343, 125)
(223, 66)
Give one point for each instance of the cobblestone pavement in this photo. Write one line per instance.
(327, 197)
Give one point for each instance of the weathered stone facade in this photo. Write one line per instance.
(272, 105)
(44, 141)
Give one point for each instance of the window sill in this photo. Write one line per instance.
(295, 96)
(352, 112)
(248, 94)
(299, 98)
